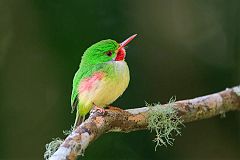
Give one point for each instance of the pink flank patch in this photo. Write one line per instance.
(88, 83)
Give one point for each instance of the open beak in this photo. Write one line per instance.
(124, 43)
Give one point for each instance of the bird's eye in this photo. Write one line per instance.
(109, 53)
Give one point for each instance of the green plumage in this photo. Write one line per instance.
(102, 77)
(93, 60)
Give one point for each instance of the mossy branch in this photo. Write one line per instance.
(161, 118)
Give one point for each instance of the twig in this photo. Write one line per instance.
(118, 120)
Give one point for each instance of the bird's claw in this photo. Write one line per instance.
(98, 109)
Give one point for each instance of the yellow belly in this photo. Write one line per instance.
(106, 90)
(110, 89)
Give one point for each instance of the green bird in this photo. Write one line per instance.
(103, 76)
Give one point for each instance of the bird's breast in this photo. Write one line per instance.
(106, 85)
(120, 71)
(113, 84)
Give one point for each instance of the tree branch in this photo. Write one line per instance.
(118, 120)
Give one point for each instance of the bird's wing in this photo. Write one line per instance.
(76, 80)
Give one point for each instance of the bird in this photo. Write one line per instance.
(102, 77)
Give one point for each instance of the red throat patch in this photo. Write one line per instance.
(120, 54)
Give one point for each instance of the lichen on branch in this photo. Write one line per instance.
(165, 122)
(52, 147)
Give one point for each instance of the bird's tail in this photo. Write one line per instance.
(79, 119)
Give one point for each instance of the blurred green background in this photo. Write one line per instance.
(185, 48)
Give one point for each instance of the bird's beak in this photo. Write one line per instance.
(121, 53)
(124, 43)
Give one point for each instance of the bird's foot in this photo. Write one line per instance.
(99, 109)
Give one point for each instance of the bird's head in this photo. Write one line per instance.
(105, 51)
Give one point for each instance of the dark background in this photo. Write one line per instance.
(185, 48)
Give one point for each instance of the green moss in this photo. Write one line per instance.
(165, 122)
(52, 147)
(68, 132)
